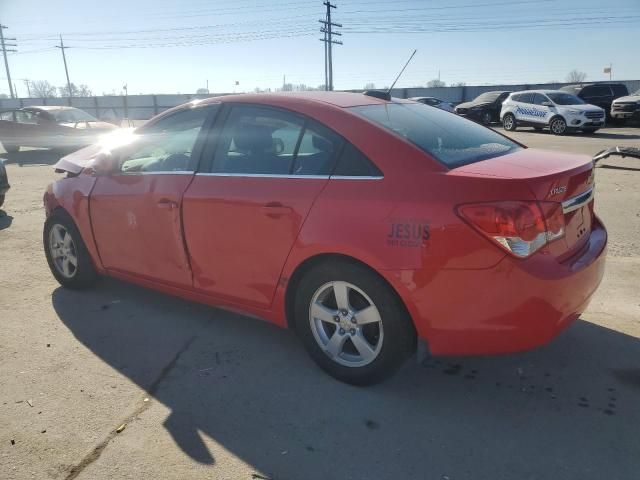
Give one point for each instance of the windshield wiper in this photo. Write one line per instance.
(633, 152)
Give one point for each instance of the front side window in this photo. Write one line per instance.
(167, 145)
(560, 98)
(450, 139)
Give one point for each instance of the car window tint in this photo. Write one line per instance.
(539, 99)
(619, 90)
(317, 151)
(452, 140)
(257, 140)
(353, 163)
(6, 116)
(526, 98)
(166, 147)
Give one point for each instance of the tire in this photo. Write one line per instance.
(485, 118)
(509, 122)
(590, 130)
(389, 337)
(69, 246)
(1, 199)
(558, 126)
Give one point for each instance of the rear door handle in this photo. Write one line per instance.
(276, 209)
(167, 204)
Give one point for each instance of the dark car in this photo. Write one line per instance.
(4, 182)
(599, 94)
(485, 108)
(49, 127)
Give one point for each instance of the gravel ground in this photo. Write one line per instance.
(201, 393)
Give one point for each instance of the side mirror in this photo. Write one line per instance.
(547, 104)
(105, 163)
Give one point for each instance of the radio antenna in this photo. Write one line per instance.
(387, 95)
(401, 72)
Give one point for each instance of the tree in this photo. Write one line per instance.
(436, 82)
(576, 76)
(42, 89)
(202, 91)
(76, 91)
(370, 86)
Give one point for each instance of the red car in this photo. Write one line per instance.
(362, 223)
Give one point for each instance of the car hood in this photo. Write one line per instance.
(628, 98)
(473, 104)
(101, 126)
(83, 158)
(583, 108)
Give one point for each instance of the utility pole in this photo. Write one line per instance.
(26, 82)
(3, 46)
(328, 44)
(66, 70)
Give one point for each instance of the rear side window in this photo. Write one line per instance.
(619, 90)
(539, 99)
(450, 139)
(526, 98)
(354, 163)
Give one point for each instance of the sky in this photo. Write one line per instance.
(169, 46)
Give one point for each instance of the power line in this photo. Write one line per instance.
(328, 40)
(66, 70)
(3, 46)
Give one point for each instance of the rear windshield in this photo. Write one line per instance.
(488, 97)
(450, 139)
(565, 98)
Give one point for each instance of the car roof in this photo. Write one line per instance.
(540, 91)
(336, 99)
(49, 107)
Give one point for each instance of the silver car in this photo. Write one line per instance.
(434, 102)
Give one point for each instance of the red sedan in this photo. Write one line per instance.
(362, 223)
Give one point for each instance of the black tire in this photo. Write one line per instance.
(84, 274)
(590, 130)
(398, 340)
(1, 199)
(558, 126)
(509, 122)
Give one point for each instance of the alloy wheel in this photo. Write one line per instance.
(346, 324)
(63, 251)
(558, 126)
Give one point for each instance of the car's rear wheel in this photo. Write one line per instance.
(558, 126)
(485, 118)
(352, 324)
(509, 122)
(66, 252)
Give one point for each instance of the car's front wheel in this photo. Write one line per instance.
(66, 252)
(352, 324)
(1, 199)
(509, 122)
(558, 126)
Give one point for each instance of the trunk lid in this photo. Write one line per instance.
(551, 177)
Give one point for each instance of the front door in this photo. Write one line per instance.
(135, 212)
(243, 213)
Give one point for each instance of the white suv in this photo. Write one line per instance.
(558, 110)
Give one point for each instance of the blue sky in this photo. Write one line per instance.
(166, 46)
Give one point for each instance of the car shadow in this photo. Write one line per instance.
(32, 157)
(566, 410)
(5, 220)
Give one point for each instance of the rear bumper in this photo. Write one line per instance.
(516, 305)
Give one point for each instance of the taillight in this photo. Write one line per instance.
(521, 228)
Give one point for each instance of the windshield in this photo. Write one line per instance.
(565, 99)
(72, 115)
(452, 140)
(488, 97)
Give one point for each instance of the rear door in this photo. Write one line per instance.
(135, 212)
(244, 210)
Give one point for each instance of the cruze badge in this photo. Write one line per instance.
(557, 191)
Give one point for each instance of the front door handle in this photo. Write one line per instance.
(167, 204)
(276, 209)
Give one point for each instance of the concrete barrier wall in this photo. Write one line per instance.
(143, 107)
